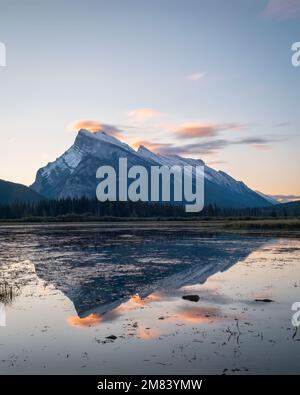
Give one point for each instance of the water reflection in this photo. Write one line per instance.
(81, 299)
(100, 270)
(7, 294)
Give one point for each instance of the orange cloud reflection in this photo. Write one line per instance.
(95, 319)
(90, 320)
(147, 334)
(197, 315)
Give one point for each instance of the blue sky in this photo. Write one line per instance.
(200, 78)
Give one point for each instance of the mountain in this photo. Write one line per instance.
(11, 192)
(269, 198)
(220, 188)
(73, 174)
(290, 209)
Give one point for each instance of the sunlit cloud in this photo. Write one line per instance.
(154, 147)
(142, 114)
(195, 76)
(261, 147)
(282, 9)
(197, 129)
(94, 126)
(285, 198)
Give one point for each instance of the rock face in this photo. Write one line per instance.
(73, 174)
(11, 192)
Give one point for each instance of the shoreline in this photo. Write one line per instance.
(264, 227)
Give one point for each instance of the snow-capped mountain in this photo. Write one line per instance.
(269, 198)
(73, 174)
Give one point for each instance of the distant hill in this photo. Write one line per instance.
(11, 192)
(290, 209)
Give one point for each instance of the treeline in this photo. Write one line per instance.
(92, 209)
(87, 208)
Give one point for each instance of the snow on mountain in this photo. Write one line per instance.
(73, 156)
(168, 160)
(74, 172)
(219, 177)
(69, 160)
(268, 198)
(104, 137)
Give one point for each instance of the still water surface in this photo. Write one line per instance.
(88, 299)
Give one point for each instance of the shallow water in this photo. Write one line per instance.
(65, 289)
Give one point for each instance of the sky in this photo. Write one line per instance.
(200, 78)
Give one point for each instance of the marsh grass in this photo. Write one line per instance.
(7, 293)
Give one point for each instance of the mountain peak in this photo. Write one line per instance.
(143, 149)
(74, 172)
(146, 153)
(102, 136)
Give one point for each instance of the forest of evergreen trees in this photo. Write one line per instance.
(91, 209)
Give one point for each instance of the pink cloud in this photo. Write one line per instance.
(282, 9)
(155, 147)
(261, 147)
(195, 76)
(196, 129)
(94, 126)
(143, 114)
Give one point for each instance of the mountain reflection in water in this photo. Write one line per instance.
(108, 298)
(100, 271)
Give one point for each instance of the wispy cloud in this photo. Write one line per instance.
(195, 130)
(155, 147)
(94, 126)
(205, 148)
(261, 147)
(282, 124)
(216, 162)
(282, 9)
(195, 76)
(143, 114)
(285, 198)
(12, 140)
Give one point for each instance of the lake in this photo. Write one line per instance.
(108, 299)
